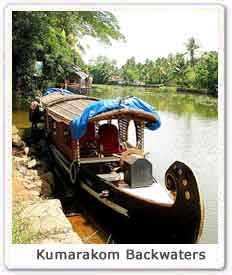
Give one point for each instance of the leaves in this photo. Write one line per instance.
(130, 70)
(54, 38)
(191, 47)
(174, 70)
(102, 69)
(207, 71)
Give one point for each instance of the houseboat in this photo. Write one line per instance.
(76, 81)
(89, 142)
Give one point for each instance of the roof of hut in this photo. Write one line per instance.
(76, 70)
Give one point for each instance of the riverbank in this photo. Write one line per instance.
(155, 88)
(169, 88)
(37, 215)
(196, 91)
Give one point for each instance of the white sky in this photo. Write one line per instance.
(157, 31)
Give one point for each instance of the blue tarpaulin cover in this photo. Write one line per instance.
(79, 124)
(56, 90)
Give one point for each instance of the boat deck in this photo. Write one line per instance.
(155, 193)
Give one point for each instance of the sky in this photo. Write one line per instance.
(156, 31)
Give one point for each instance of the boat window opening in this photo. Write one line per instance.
(114, 122)
(132, 140)
(101, 122)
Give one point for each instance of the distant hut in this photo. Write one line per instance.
(115, 80)
(76, 81)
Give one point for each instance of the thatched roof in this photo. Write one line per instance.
(77, 71)
(66, 108)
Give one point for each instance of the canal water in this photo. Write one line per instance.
(189, 133)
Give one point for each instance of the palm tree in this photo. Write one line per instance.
(180, 69)
(191, 47)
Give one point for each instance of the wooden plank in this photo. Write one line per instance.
(68, 110)
(76, 106)
(56, 116)
(61, 112)
(81, 104)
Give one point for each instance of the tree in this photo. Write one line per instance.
(207, 71)
(129, 71)
(191, 47)
(102, 69)
(162, 70)
(180, 69)
(147, 71)
(55, 38)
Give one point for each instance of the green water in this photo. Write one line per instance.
(189, 133)
(166, 100)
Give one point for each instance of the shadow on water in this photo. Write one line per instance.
(96, 223)
(84, 215)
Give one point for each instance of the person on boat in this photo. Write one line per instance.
(35, 113)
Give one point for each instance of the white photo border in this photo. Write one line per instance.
(23, 256)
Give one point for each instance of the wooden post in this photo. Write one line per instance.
(78, 157)
(142, 136)
(139, 126)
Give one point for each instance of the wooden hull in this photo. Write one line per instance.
(139, 220)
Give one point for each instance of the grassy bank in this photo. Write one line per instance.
(128, 87)
(21, 229)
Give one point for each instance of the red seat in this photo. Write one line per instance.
(108, 139)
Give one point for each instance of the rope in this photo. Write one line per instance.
(90, 237)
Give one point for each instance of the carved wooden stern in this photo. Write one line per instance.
(188, 208)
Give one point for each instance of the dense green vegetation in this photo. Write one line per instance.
(54, 38)
(103, 69)
(180, 69)
(46, 43)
